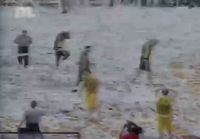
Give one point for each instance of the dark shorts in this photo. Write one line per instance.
(63, 53)
(33, 127)
(30, 130)
(144, 64)
(22, 49)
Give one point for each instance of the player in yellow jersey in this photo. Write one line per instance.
(165, 114)
(91, 88)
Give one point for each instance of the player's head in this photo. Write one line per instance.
(66, 34)
(153, 42)
(165, 92)
(33, 104)
(24, 32)
(87, 48)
